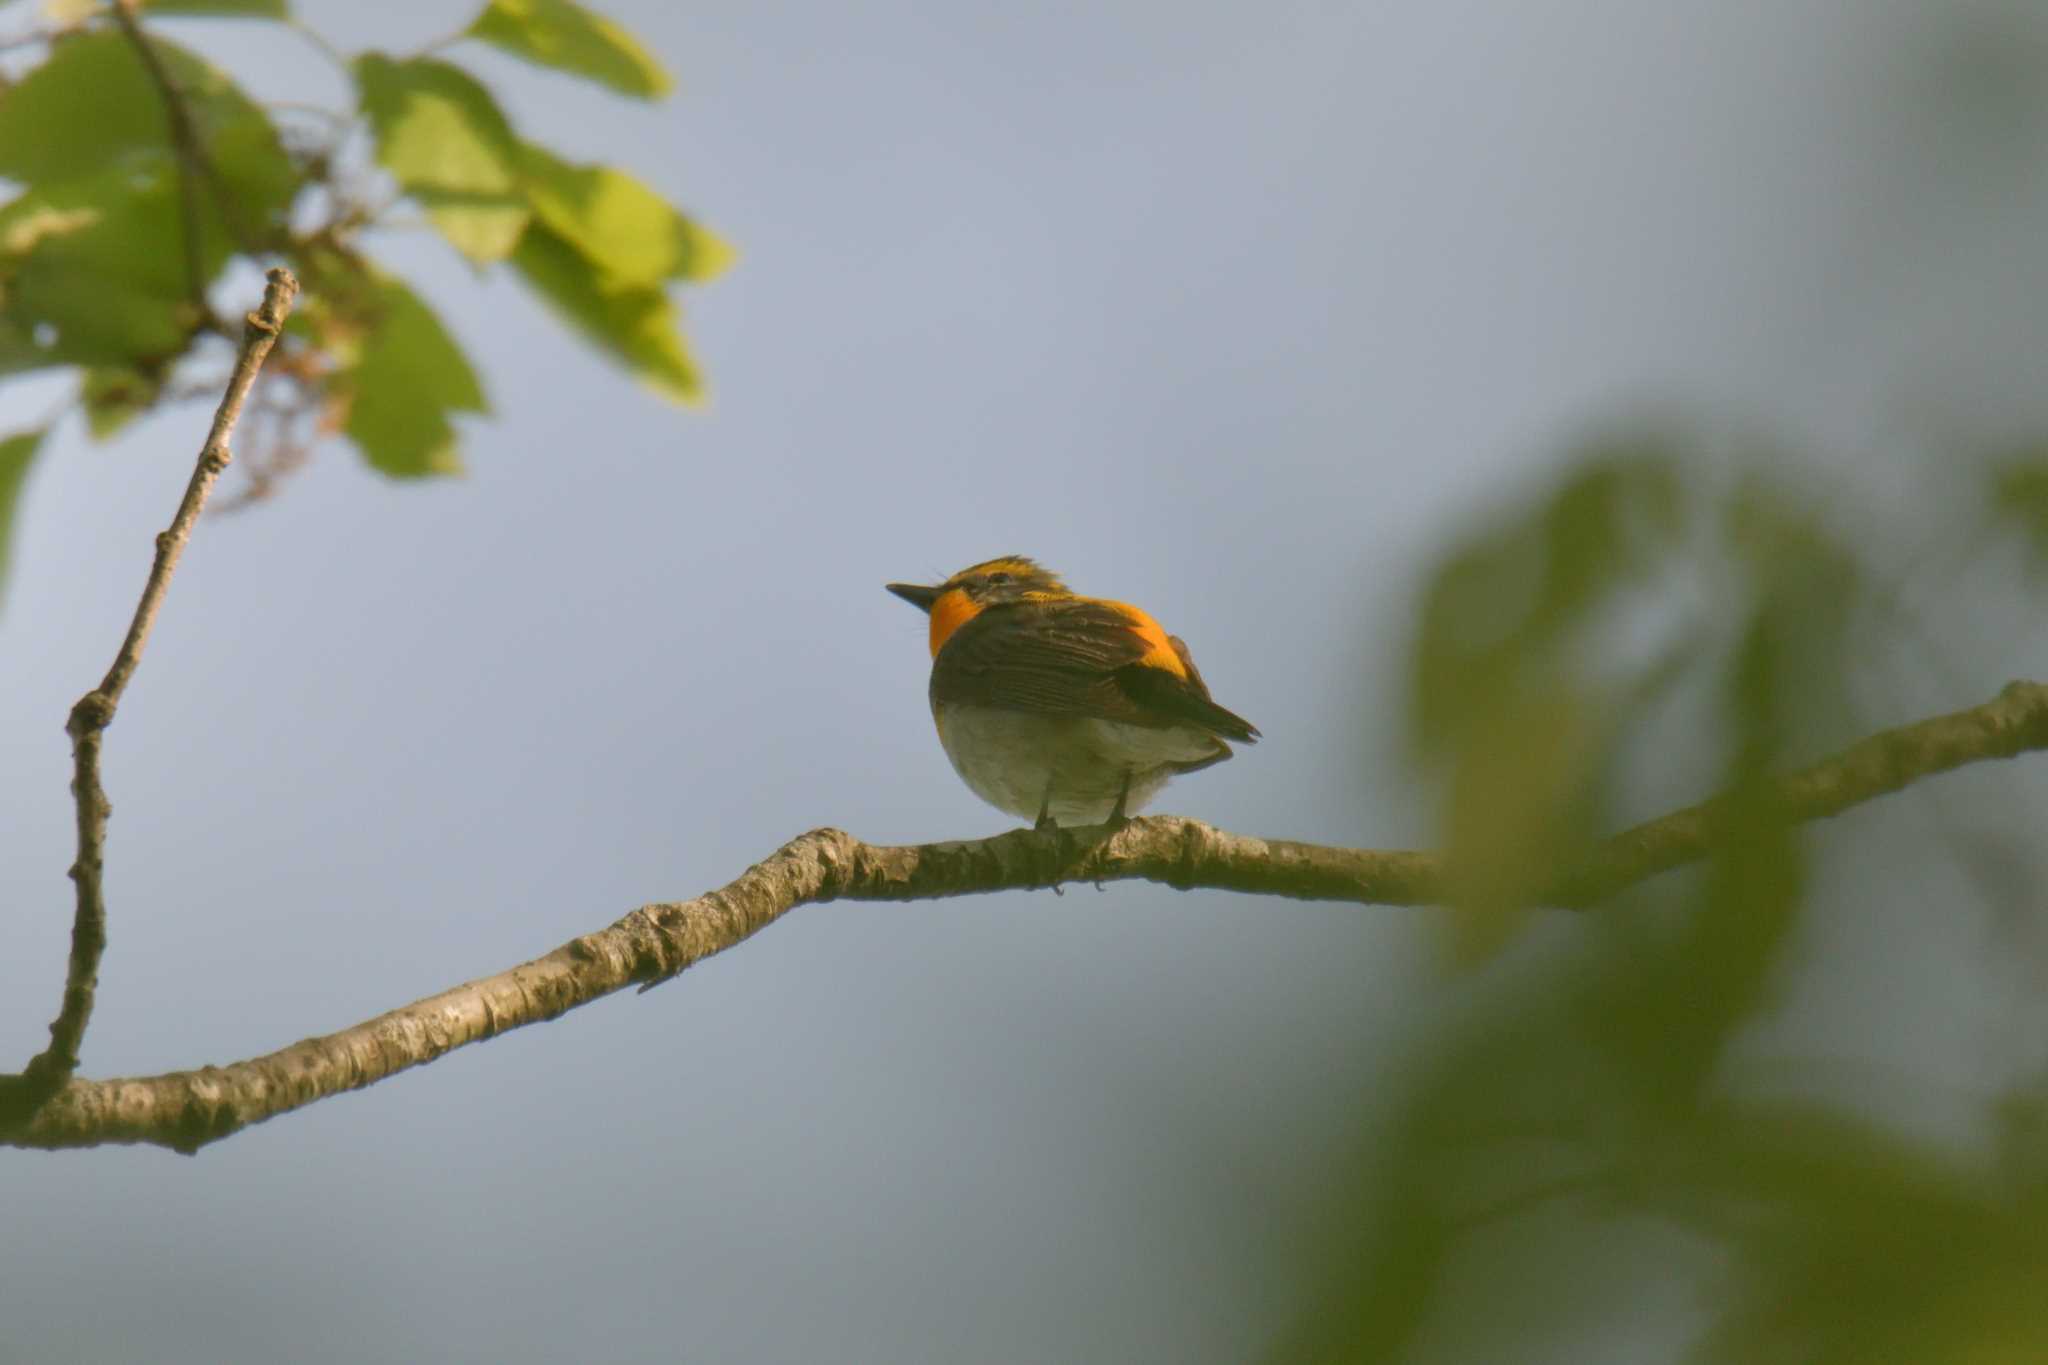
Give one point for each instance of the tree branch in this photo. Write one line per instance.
(194, 165)
(2012, 723)
(185, 141)
(50, 1069)
(188, 1109)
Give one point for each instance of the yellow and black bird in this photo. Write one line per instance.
(1058, 708)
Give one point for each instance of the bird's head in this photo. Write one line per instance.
(964, 596)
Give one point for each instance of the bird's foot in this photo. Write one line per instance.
(1118, 816)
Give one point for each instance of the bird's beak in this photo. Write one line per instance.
(916, 594)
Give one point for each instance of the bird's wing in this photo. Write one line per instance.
(1080, 656)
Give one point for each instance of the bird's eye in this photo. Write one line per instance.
(996, 580)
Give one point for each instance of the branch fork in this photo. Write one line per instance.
(186, 1110)
(51, 1069)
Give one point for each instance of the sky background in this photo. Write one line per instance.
(1238, 312)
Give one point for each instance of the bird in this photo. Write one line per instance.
(1062, 709)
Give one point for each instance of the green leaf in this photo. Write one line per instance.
(1522, 808)
(19, 348)
(2019, 496)
(93, 263)
(114, 396)
(568, 37)
(409, 376)
(618, 222)
(1507, 605)
(447, 144)
(90, 272)
(17, 452)
(634, 323)
(1791, 672)
(483, 227)
(227, 9)
(91, 107)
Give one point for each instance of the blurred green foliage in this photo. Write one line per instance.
(15, 454)
(121, 232)
(1596, 1110)
(571, 38)
(2019, 496)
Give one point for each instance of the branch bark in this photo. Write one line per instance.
(188, 1109)
(50, 1069)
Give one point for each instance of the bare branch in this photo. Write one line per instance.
(2012, 723)
(188, 1109)
(48, 1071)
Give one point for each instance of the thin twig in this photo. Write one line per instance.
(186, 1110)
(49, 1070)
(2012, 723)
(274, 452)
(194, 164)
(441, 44)
(326, 49)
(332, 116)
(185, 142)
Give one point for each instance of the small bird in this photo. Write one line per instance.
(1062, 709)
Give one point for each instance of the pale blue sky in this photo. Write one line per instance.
(1235, 311)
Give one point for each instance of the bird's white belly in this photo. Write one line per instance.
(1075, 768)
